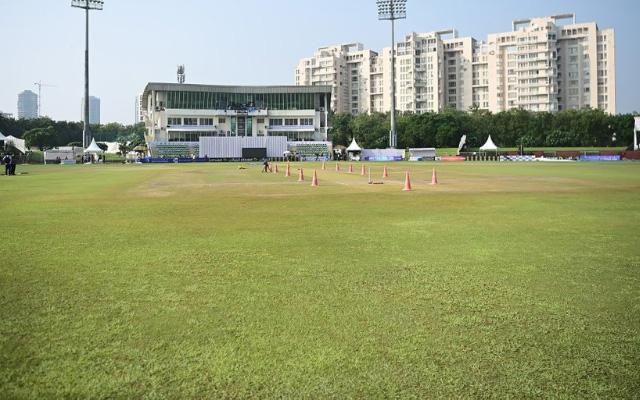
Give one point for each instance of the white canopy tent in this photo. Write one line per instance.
(353, 151)
(93, 152)
(489, 145)
(93, 148)
(354, 146)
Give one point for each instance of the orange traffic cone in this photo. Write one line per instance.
(323, 166)
(407, 183)
(362, 170)
(434, 177)
(314, 181)
(288, 170)
(337, 167)
(385, 172)
(301, 176)
(351, 168)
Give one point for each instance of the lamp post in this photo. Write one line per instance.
(392, 10)
(87, 5)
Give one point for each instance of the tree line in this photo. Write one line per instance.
(571, 128)
(46, 133)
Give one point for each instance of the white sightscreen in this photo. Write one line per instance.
(231, 147)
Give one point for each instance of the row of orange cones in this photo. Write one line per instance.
(385, 174)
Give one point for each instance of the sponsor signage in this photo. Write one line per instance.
(600, 158)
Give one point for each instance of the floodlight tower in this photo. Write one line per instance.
(392, 10)
(87, 5)
(181, 74)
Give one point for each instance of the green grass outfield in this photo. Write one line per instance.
(208, 281)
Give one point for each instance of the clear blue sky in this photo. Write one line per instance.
(243, 42)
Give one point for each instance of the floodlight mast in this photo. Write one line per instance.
(87, 5)
(392, 10)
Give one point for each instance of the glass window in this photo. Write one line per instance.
(249, 127)
(191, 121)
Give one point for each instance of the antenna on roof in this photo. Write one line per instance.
(181, 75)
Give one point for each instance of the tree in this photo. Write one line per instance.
(341, 131)
(42, 138)
(125, 145)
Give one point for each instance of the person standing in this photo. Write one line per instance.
(266, 166)
(7, 164)
(12, 164)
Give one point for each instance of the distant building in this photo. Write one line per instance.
(94, 110)
(543, 64)
(139, 115)
(6, 115)
(27, 105)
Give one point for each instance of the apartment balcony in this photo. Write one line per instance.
(543, 100)
(536, 84)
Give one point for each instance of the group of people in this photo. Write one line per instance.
(9, 162)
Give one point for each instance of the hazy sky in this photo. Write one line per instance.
(243, 42)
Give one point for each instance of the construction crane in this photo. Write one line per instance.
(40, 85)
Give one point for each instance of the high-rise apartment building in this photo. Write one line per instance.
(139, 114)
(433, 71)
(346, 68)
(27, 105)
(94, 110)
(540, 65)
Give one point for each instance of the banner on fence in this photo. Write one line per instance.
(600, 158)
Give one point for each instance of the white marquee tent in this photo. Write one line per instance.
(112, 147)
(489, 146)
(15, 142)
(354, 146)
(354, 150)
(93, 148)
